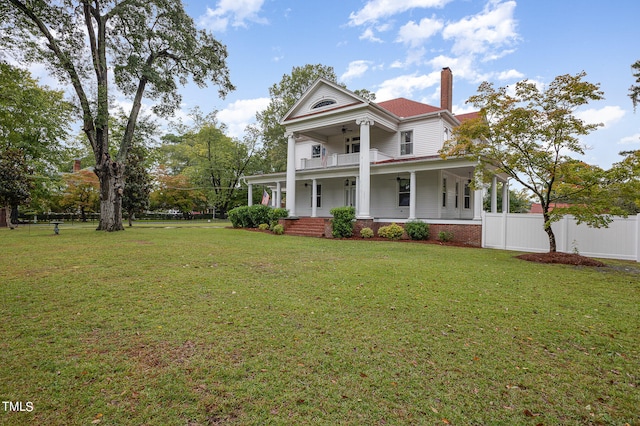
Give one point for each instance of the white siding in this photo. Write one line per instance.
(322, 92)
(427, 137)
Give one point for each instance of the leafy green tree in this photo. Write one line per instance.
(35, 121)
(283, 96)
(149, 45)
(212, 160)
(625, 175)
(15, 182)
(135, 199)
(529, 135)
(634, 90)
(175, 192)
(519, 201)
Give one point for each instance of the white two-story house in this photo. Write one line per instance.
(381, 158)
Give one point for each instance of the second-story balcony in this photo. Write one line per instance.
(337, 160)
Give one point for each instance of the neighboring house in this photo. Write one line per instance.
(381, 158)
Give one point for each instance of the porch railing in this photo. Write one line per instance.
(334, 160)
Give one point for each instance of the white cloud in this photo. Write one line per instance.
(493, 28)
(406, 85)
(415, 56)
(633, 139)
(415, 34)
(356, 69)
(237, 115)
(510, 75)
(376, 9)
(368, 34)
(463, 67)
(232, 12)
(608, 115)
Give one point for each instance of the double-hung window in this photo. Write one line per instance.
(404, 192)
(316, 151)
(318, 196)
(444, 192)
(406, 142)
(467, 195)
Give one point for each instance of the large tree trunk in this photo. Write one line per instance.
(111, 178)
(7, 217)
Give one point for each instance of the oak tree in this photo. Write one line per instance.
(148, 47)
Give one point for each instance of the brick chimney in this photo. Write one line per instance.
(76, 165)
(446, 89)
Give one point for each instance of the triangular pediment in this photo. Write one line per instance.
(323, 97)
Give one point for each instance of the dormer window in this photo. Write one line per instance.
(323, 103)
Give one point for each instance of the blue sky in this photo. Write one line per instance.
(396, 48)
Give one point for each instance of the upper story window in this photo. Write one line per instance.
(323, 103)
(316, 151)
(406, 143)
(353, 145)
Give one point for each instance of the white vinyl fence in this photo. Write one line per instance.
(524, 232)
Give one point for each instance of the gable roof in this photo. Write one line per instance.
(320, 90)
(405, 108)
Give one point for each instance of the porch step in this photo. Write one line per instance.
(306, 226)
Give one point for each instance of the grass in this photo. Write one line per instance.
(197, 326)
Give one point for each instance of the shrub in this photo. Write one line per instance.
(417, 230)
(276, 214)
(239, 216)
(342, 222)
(392, 232)
(278, 229)
(366, 233)
(263, 226)
(258, 214)
(254, 216)
(445, 236)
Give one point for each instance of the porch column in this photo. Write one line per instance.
(314, 197)
(291, 174)
(477, 204)
(505, 197)
(250, 194)
(364, 189)
(278, 197)
(412, 195)
(494, 194)
(357, 197)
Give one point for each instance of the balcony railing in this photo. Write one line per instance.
(336, 160)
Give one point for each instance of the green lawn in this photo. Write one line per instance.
(204, 325)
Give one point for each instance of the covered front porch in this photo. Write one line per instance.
(427, 189)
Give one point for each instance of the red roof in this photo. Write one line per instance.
(406, 108)
(468, 116)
